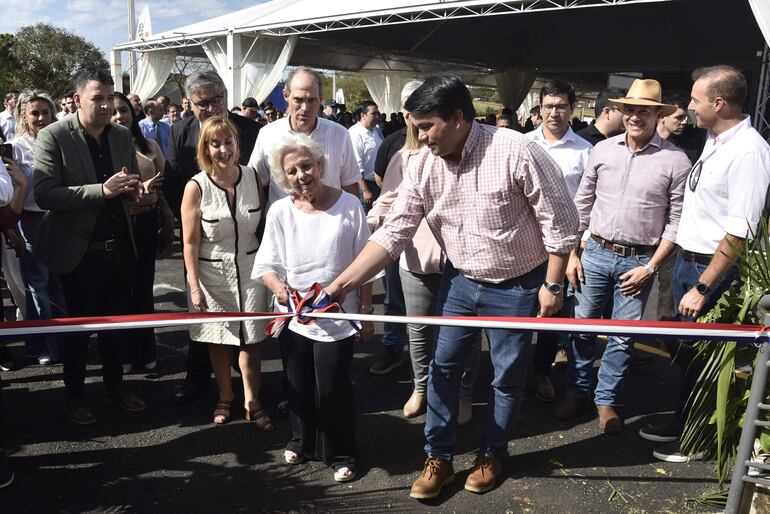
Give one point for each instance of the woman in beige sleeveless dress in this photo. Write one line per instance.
(221, 210)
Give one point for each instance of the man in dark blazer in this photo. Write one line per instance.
(85, 172)
(208, 97)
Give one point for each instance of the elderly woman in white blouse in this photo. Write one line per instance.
(311, 236)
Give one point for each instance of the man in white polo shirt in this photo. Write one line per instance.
(303, 96)
(570, 151)
(723, 202)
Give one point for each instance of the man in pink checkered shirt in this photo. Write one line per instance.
(499, 207)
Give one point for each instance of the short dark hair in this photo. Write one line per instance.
(603, 98)
(11, 94)
(676, 99)
(250, 102)
(149, 106)
(443, 94)
(364, 107)
(505, 116)
(86, 75)
(558, 87)
(535, 111)
(723, 81)
(507, 111)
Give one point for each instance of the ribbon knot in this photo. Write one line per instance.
(314, 300)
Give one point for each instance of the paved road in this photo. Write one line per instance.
(172, 459)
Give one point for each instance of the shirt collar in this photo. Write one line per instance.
(470, 142)
(568, 137)
(315, 127)
(656, 141)
(87, 135)
(730, 133)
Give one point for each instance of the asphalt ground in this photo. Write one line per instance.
(172, 459)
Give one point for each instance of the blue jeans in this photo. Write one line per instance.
(45, 299)
(602, 270)
(461, 296)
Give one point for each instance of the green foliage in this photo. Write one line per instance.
(718, 402)
(47, 57)
(7, 63)
(351, 84)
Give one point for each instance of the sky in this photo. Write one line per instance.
(105, 22)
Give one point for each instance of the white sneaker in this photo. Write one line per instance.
(671, 453)
(126, 368)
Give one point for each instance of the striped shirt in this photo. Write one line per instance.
(496, 214)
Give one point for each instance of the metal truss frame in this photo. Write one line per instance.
(436, 12)
(762, 110)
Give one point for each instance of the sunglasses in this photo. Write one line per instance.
(695, 175)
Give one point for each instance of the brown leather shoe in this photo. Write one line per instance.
(485, 471)
(126, 402)
(609, 421)
(436, 474)
(78, 412)
(570, 407)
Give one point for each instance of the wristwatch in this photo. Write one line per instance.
(650, 270)
(702, 288)
(553, 287)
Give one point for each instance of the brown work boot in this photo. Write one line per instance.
(485, 471)
(436, 474)
(569, 407)
(609, 420)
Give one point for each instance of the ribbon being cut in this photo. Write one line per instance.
(316, 304)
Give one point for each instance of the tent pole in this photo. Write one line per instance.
(131, 36)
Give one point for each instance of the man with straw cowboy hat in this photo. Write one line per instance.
(630, 199)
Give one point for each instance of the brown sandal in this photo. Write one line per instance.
(222, 413)
(260, 417)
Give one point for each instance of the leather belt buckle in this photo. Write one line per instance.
(110, 245)
(621, 250)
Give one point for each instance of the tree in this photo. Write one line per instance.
(8, 63)
(351, 84)
(48, 57)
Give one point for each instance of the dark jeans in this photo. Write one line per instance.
(508, 349)
(140, 348)
(99, 286)
(394, 334)
(320, 398)
(45, 299)
(686, 275)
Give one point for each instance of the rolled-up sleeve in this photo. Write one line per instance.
(747, 185)
(403, 219)
(679, 174)
(546, 190)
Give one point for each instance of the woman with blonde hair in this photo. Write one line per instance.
(44, 298)
(221, 209)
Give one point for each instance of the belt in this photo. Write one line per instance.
(623, 250)
(700, 258)
(31, 215)
(104, 246)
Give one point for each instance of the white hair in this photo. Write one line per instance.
(409, 88)
(291, 143)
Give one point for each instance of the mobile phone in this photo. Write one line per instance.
(6, 150)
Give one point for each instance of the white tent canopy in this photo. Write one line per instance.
(480, 41)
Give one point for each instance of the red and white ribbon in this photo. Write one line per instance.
(670, 329)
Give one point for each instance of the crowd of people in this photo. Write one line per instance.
(459, 217)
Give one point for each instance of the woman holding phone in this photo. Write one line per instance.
(153, 231)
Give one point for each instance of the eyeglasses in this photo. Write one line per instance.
(560, 108)
(695, 175)
(203, 105)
